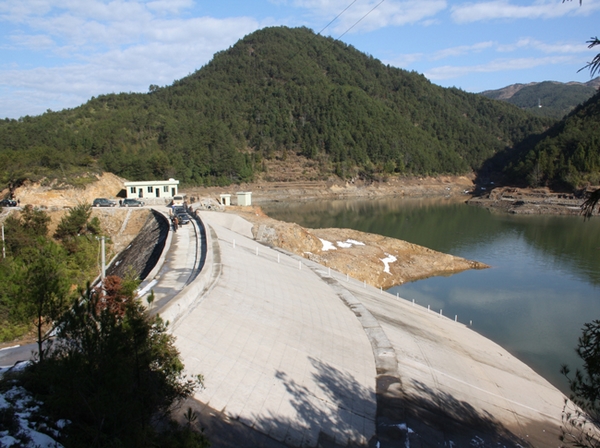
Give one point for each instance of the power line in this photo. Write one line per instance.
(359, 20)
(336, 17)
(324, 28)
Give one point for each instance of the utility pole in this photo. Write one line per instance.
(103, 258)
(3, 244)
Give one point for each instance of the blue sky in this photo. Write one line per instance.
(57, 54)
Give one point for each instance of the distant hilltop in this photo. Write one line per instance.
(548, 98)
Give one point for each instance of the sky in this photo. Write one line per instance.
(57, 54)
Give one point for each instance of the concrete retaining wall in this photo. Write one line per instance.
(192, 294)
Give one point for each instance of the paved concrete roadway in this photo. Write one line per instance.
(305, 358)
(178, 266)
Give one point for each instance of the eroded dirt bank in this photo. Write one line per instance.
(529, 201)
(380, 261)
(263, 192)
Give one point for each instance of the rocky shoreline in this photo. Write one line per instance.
(265, 192)
(513, 200)
(539, 201)
(377, 260)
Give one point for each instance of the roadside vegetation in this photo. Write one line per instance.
(40, 272)
(104, 368)
(111, 375)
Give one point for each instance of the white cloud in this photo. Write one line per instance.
(19, 10)
(119, 24)
(531, 43)
(405, 60)
(558, 50)
(25, 10)
(170, 6)
(462, 50)
(503, 9)
(498, 65)
(36, 42)
(371, 15)
(396, 14)
(127, 52)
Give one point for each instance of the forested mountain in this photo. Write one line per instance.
(566, 156)
(277, 90)
(546, 99)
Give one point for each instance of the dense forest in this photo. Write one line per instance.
(546, 99)
(567, 156)
(275, 91)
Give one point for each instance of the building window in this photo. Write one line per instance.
(166, 188)
(149, 189)
(133, 190)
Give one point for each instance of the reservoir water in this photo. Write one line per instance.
(543, 284)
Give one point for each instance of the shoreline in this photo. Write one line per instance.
(409, 187)
(528, 201)
(501, 199)
(377, 260)
(505, 199)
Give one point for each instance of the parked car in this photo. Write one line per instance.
(177, 209)
(132, 203)
(8, 203)
(178, 200)
(183, 218)
(103, 202)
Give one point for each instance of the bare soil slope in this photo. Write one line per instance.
(50, 196)
(380, 261)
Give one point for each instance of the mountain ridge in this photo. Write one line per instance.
(547, 98)
(275, 92)
(508, 91)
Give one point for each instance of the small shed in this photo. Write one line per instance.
(225, 199)
(244, 198)
(152, 189)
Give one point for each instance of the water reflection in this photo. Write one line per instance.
(450, 226)
(542, 287)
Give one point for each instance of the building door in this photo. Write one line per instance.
(157, 192)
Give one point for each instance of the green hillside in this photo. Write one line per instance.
(277, 90)
(546, 99)
(566, 156)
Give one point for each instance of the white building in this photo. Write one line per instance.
(152, 189)
(244, 198)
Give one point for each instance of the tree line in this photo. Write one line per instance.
(103, 365)
(276, 90)
(567, 156)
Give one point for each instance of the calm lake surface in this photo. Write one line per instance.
(544, 283)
